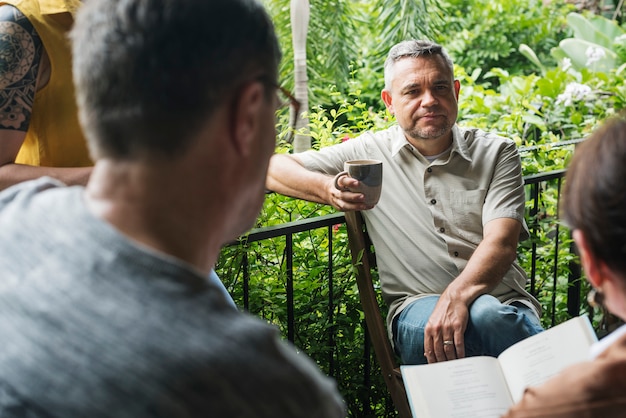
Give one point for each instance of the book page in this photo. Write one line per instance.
(472, 387)
(536, 359)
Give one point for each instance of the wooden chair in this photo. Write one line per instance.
(363, 260)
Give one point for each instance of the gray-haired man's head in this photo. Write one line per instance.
(413, 49)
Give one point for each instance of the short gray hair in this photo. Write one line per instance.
(412, 49)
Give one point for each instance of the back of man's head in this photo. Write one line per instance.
(148, 73)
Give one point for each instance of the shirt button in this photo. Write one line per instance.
(429, 169)
(433, 201)
(442, 229)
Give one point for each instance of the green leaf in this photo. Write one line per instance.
(587, 31)
(526, 51)
(608, 27)
(576, 50)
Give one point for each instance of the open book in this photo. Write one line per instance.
(483, 386)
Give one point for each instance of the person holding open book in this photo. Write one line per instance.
(594, 206)
(449, 218)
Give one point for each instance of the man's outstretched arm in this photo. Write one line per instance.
(288, 176)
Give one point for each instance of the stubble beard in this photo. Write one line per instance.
(430, 132)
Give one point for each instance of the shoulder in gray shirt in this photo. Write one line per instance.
(94, 325)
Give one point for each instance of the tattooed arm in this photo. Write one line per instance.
(24, 69)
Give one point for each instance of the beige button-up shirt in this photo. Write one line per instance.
(430, 216)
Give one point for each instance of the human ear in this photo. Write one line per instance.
(386, 96)
(457, 88)
(246, 117)
(590, 263)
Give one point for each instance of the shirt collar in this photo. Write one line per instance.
(398, 141)
(459, 144)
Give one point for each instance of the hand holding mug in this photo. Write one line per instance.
(369, 173)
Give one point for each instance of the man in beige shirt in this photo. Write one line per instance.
(448, 221)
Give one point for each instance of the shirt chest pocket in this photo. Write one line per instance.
(465, 213)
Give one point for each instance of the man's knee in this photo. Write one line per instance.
(489, 311)
(494, 326)
(486, 308)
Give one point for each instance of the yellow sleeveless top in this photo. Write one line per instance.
(54, 137)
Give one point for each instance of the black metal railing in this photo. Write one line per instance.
(540, 256)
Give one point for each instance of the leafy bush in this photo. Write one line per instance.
(485, 34)
(598, 44)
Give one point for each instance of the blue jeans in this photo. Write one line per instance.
(492, 327)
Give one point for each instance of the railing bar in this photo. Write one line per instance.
(574, 287)
(331, 304)
(290, 302)
(542, 177)
(556, 257)
(533, 248)
(259, 234)
(246, 282)
(367, 369)
(548, 146)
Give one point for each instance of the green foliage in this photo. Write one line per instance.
(598, 44)
(541, 112)
(397, 20)
(594, 28)
(484, 34)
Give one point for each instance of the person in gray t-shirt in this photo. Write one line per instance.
(109, 305)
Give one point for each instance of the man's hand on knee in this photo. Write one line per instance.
(444, 333)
